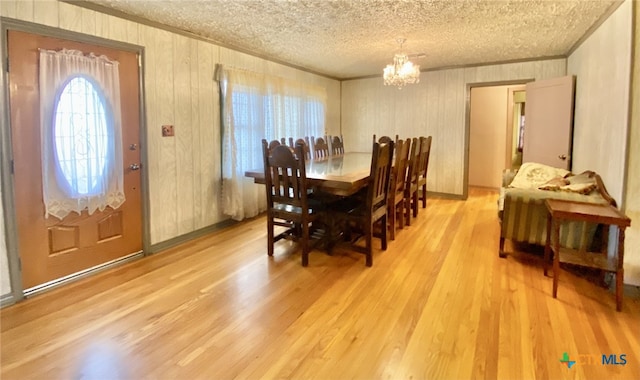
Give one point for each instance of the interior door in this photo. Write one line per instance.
(487, 135)
(548, 130)
(51, 248)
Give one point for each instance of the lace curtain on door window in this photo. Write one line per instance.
(81, 133)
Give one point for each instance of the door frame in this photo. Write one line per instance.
(467, 122)
(510, 127)
(7, 183)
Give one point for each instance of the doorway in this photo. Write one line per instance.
(492, 130)
(52, 249)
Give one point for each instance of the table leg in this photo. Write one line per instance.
(556, 256)
(547, 246)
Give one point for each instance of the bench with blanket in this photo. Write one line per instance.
(522, 211)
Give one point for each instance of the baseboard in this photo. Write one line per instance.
(631, 291)
(6, 300)
(444, 195)
(158, 247)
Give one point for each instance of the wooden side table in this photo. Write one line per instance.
(595, 213)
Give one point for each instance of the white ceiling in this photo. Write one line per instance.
(348, 39)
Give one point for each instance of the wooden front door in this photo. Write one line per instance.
(548, 127)
(51, 248)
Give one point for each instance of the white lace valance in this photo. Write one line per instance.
(81, 133)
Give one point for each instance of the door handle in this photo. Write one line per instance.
(134, 166)
(562, 157)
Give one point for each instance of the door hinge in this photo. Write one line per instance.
(139, 60)
(19, 264)
(6, 67)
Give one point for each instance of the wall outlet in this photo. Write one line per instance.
(167, 130)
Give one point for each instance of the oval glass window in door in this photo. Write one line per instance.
(82, 138)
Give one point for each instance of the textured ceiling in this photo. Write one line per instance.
(347, 39)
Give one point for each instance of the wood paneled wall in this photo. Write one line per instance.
(184, 170)
(602, 66)
(436, 106)
(602, 69)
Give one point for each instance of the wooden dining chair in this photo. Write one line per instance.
(425, 151)
(306, 150)
(273, 144)
(320, 148)
(367, 211)
(383, 139)
(411, 182)
(337, 146)
(395, 200)
(288, 204)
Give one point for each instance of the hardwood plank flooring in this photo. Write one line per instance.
(438, 304)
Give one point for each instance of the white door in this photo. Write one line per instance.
(487, 135)
(548, 124)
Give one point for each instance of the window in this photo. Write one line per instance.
(81, 136)
(255, 107)
(81, 133)
(280, 116)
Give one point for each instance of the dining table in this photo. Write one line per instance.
(341, 175)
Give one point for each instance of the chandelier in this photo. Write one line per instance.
(401, 71)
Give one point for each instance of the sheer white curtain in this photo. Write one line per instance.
(257, 106)
(81, 133)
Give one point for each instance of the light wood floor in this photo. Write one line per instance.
(438, 304)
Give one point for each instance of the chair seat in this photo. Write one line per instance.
(354, 207)
(320, 199)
